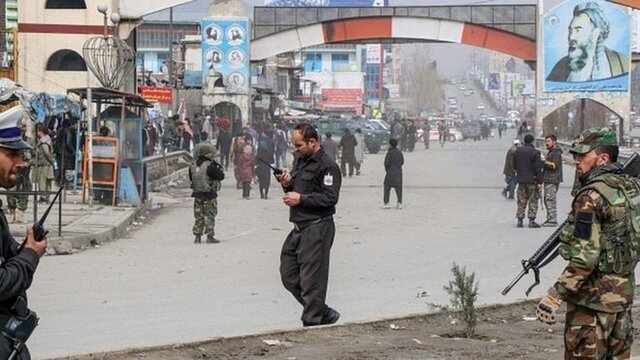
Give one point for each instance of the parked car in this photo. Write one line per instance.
(373, 138)
(470, 130)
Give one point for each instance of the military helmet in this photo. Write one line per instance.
(204, 148)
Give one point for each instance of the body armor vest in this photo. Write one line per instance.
(200, 181)
(620, 234)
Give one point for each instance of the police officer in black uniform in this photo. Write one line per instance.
(311, 192)
(16, 266)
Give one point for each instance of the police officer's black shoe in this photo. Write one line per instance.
(329, 316)
(533, 224)
(211, 239)
(519, 223)
(198, 239)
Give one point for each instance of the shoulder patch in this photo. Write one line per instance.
(328, 179)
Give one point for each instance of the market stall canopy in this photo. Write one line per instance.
(39, 105)
(110, 96)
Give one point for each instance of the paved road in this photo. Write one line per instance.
(156, 287)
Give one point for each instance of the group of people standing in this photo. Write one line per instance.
(531, 172)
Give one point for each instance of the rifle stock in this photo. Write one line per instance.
(549, 249)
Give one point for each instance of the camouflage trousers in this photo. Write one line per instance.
(20, 202)
(550, 195)
(590, 334)
(528, 195)
(205, 211)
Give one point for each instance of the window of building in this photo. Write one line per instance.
(65, 4)
(313, 62)
(339, 62)
(66, 60)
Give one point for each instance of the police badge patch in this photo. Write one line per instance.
(328, 180)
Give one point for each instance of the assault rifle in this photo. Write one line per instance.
(549, 250)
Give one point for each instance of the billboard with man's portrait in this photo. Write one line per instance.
(586, 47)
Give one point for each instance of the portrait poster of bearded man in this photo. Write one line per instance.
(591, 51)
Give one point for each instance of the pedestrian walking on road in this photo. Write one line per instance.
(393, 162)
(509, 171)
(528, 165)
(358, 151)
(311, 194)
(426, 130)
(44, 164)
(246, 170)
(600, 242)
(266, 153)
(330, 147)
(223, 145)
(19, 262)
(205, 175)
(348, 144)
(552, 178)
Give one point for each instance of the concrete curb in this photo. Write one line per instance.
(86, 239)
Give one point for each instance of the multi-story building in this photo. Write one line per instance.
(153, 43)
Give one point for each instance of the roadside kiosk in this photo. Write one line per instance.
(119, 173)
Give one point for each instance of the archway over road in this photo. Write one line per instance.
(400, 29)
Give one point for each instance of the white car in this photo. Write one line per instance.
(480, 107)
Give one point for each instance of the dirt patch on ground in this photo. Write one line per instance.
(503, 332)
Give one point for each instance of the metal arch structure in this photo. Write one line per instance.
(394, 29)
(488, 26)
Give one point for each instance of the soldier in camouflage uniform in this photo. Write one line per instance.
(17, 203)
(600, 241)
(552, 177)
(205, 175)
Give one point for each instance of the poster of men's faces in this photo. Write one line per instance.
(586, 47)
(327, 3)
(225, 49)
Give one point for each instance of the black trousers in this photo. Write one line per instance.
(387, 192)
(343, 167)
(304, 267)
(6, 347)
(224, 160)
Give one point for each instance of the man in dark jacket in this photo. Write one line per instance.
(393, 162)
(348, 145)
(19, 262)
(509, 171)
(224, 146)
(528, 165)
(205, 175)
(552, 179)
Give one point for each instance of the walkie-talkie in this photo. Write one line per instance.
(276, 171)
(39, 232)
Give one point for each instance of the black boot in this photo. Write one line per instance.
(198, 239)
(533, 223)
(519, 223)
(211, 239)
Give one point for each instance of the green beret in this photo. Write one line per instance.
(592, 138)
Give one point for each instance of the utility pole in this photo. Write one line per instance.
(170, 64)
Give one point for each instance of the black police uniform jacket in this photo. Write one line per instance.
(16, 269)
(317, 179)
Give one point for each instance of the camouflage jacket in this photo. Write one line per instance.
(587, 243)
